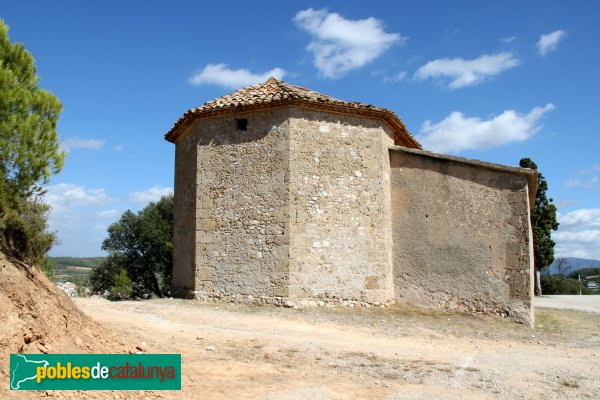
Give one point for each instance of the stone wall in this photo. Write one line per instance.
(461, 235)
(184, 232)
(241, 208)
(313, 206)
(340, 246)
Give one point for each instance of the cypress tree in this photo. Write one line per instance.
(543, 222)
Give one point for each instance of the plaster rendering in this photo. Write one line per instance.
(286, 196)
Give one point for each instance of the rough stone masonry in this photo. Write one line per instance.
(287, 196)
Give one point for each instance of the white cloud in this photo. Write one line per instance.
(457, 132)
(509, 39)
(101, 227)
(581, 218)
(400, 76)
(583, 178)
(64, 196)
(590, 170)
(152, 194)
(549, 42)
(467, 72)
(108, 213)
(222, 75)
(565, 203)
(585, 183)
(78, 143)
(73, 210)
(578, 234)
(340, 45)
(118, 147)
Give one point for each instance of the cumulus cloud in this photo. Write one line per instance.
(73, 209)
(509, 39)
(583, 217)
(340, 45)
(112, 213)
(64, 196)
(78, 143)
(578, 234)
(152, 194)
(549, 42)
(222, 75)
(463, 72)
(457, 132)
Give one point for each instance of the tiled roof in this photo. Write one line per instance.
(275, 93)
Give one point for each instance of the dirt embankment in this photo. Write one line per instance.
(36, 317)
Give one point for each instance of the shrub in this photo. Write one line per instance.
(553, 284)
(46, 267)
(122, 288)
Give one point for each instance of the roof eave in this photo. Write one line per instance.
(402, 136)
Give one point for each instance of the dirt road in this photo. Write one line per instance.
(570, 302)
(237, 351)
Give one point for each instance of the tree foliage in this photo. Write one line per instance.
(23, 230)
(29, 146)
(142, 244)
(29, 153)
(543, 221)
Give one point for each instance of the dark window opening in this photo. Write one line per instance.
(242, 124)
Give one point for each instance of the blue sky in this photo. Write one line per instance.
(494, 81)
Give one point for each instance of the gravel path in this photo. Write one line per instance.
(249, 352)
(570, 302)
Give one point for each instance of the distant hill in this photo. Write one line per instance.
(574, 264)
(75, 261)
(73, 269)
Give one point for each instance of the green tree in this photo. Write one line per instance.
(29, 153)
(29, 147)
(141, 243)
(543, 222)
(122, 288)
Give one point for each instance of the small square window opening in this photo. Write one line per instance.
(242, 124)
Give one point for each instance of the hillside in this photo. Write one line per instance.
(75, 261)
(73, 269)
(37, 317)
(574, 264)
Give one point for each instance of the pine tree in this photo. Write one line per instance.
(29, 147)
(29, 153)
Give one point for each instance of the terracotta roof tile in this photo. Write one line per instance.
(276, 93)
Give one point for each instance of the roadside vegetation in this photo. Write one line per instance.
(576, 282)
